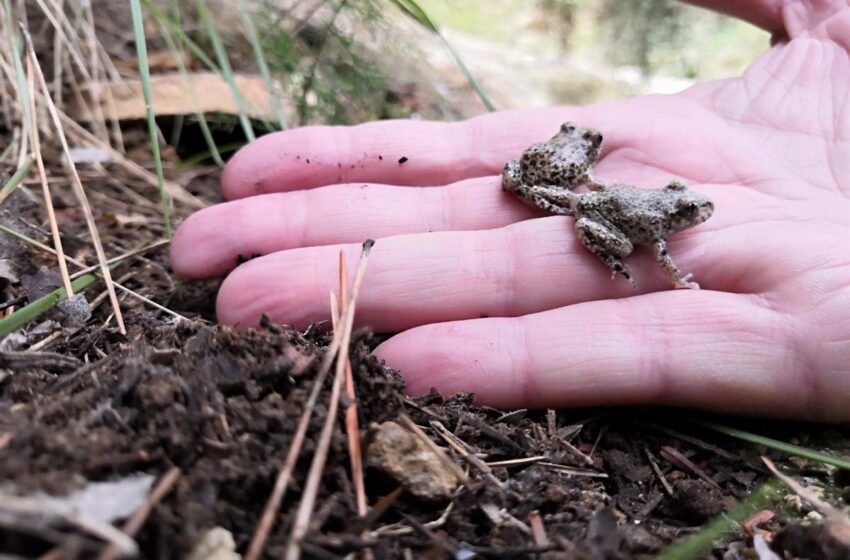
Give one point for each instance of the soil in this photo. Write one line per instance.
(222, 405)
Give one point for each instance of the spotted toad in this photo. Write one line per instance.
(564, 161)
(614, 218)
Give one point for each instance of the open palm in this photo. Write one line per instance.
(490, 297)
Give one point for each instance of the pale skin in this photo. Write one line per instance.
(769, 333)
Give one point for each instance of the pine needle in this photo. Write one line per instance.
(258, 541)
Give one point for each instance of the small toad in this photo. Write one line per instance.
(564, 161)
(614, 218)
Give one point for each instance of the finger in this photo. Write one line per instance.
(766, 14)
(648, 141)
(402, 152)
(709, 350)
(211, 241)
(430, 153)
(522, 268)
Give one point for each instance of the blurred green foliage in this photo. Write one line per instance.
(328, 74)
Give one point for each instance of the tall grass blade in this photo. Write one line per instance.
(16, 179)
(35, 309)
(175, 28)
(202, 119)
(224, 64)
(260, 55)
(16, 48)
(700, 543)
(145, 75)
(777, 445)
(418, 14)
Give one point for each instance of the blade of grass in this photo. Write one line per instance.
(87, 269)
(196, 50)
(15, 48)
(698, 544)
(202, 156)
(260, 55)
(777, 445)
(224, 64)
(16, 179)
(153, 134)
(184, 74)
(35, 309)
(412, 9)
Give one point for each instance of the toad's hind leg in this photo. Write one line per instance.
(556, 200)
(670, 268)
(607, 243)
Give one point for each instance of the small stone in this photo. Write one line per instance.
(411, 462)
(216, 544)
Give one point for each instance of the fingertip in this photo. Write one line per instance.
(239, 302)
(252, 169)
(183, 253)
(454, 358)
(202, 247)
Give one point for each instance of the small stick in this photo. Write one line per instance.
(405, 421)
(352, 423)
(657, 470)
(135, 522)
(311, 487)
(467, 452)
(78, 185)
(826, 509)
(538, 531)
(258, 541)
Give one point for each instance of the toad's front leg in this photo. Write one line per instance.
(670, 268)
(608, 243)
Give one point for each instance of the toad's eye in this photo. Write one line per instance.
(689, 209)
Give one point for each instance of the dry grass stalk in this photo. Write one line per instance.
(45, 189)
(352, 423)
(78, 186)
(258, 540)
(177, 192)
(311, 487)
(63, 27)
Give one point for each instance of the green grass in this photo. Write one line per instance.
(145, 76)
(727, 525)
(16, 179)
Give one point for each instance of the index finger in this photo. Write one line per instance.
(398, 152)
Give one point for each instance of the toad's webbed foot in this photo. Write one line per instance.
(670, 268)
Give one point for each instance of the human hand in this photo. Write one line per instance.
(768, 334)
